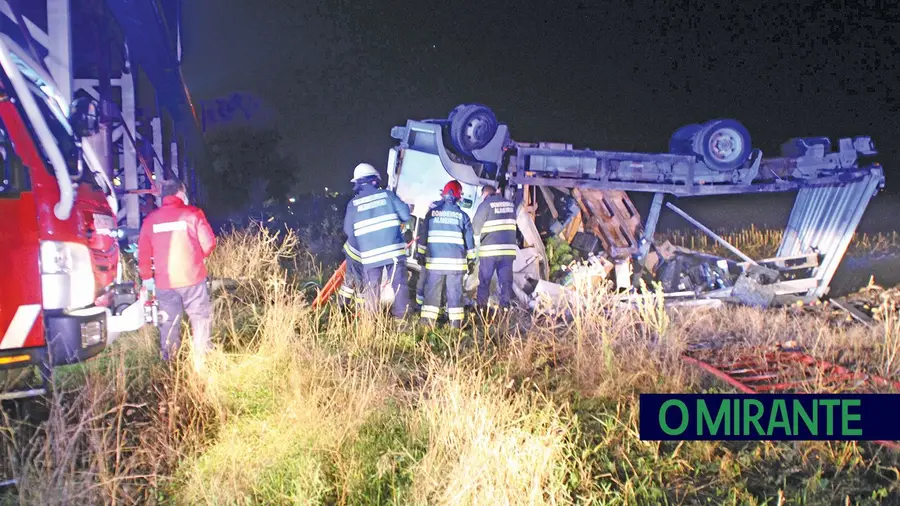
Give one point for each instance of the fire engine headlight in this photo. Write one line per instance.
(67, 276)
(56, 257)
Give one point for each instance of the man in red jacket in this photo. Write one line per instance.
(174, 243)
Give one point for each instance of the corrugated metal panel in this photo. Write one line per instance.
(824, 220)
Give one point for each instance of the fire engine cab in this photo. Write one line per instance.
(62, 299)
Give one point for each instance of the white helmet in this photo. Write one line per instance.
(364, 170)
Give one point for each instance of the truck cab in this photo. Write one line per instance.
(62, 299)
(469, 146)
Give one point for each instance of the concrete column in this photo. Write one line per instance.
(156, 125)
(173, 160)
(59, 63)
(132, 205)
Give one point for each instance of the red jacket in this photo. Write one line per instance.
(175, 240)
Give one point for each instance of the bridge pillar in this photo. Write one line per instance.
(59, 26)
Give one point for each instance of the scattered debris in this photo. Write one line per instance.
(873, 298)
(553, 299)
(591, 274)
(854, 313)
(868, 306)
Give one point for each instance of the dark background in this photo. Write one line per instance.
(606, 75)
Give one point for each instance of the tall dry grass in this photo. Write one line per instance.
(299, 394)
(607, 348)
(252, 254)
(111, 433)
(288, 407)
(303, 406)
(763, 242)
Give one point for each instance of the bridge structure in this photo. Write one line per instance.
(127, 55)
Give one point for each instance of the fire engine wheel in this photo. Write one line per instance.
(471, 128)
(723, 144)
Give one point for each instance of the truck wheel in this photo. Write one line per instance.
(472, 128)
(723, 144)
(455, 111)
(682, 141)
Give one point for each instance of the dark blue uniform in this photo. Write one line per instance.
(420, 282)
(351, 291)
(448, 244)
(374, 219)
(495, 225)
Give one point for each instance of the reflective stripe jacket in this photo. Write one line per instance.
(351, 248)
(446, 238)
(351, 252)
(495, 224)
(420, 245)
(175, 240)
(373, 220)
(351, 288)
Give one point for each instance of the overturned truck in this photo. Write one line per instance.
(584, 192)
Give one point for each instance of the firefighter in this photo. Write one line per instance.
(420, 281)
(174, 243)
(374, 220)
(448, 244)
(495, 225)
(351, 291)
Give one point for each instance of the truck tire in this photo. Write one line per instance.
(682, 141)
(723, 144)
(472, 128)
(455, 111)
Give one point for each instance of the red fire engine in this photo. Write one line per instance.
(62, 299)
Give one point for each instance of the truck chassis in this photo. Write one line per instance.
(833, 189)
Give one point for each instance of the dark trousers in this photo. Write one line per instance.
(420, 288)
(503, 266)
(397, 274)
(351, 291)
(193, 300)
(436, 283)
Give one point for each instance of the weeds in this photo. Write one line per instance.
(304, 406)
(763, 243)
(890, 347)
(485, 446)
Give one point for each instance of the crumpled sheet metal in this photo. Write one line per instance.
(823, 220)
(527, 265)
(555, 300)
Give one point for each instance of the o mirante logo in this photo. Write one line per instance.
(773, 417)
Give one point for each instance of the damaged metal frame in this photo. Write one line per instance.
(714, 158)
(832, 195)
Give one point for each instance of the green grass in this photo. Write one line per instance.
(382, 459)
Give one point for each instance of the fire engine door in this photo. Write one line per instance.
(20, 281)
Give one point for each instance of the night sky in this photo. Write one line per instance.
(605, 75)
